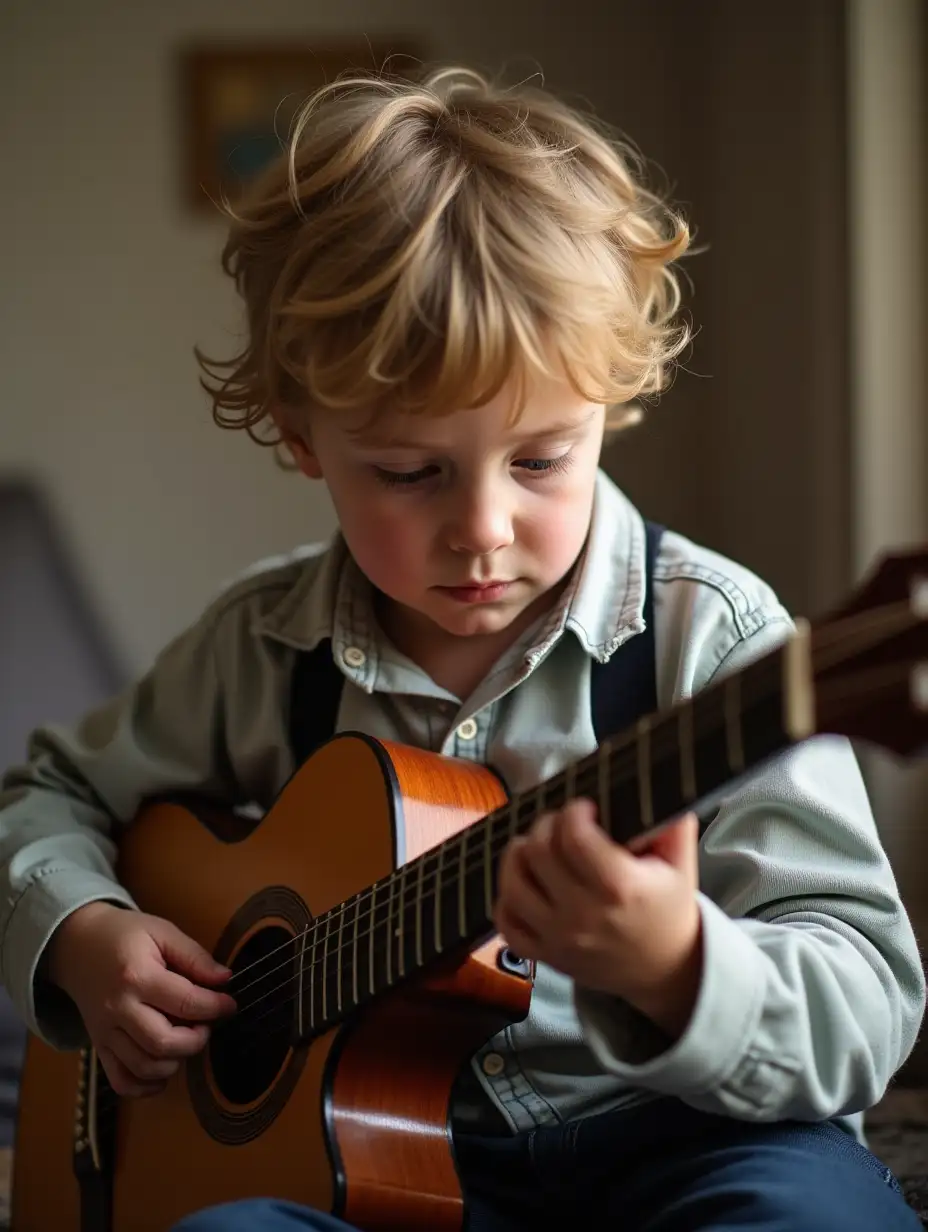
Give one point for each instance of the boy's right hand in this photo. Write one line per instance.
(138, 984)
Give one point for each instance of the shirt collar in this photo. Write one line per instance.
(605, 605)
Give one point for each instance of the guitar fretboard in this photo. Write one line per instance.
(440, 904)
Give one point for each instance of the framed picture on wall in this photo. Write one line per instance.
(238, 100)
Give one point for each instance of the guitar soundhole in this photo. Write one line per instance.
(248, 1052)
(241, 1082)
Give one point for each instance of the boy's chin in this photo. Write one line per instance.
(476, 621)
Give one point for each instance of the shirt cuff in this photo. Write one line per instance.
(725, 1016)
(54, 895)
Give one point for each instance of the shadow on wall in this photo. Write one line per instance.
(54, 665)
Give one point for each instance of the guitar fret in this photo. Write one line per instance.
(645, 787)
(419, 912)
(462, 885)
(301, 991)
(797, 685)
(570, 782)
(338, 960)
(541, 799)
(313, 969)
(733, 740)
(605, 788)
(687, 752)
(401, 918)
(372, 932)
(513, 817)
(437, 905)
(354, 951)
(325, 967)
(389, 928)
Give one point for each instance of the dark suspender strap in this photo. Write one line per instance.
(315, 693)
(624, 689)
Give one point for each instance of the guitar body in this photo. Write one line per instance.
(365, 973)
(353, 1122)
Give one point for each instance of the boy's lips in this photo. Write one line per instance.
(476, 592)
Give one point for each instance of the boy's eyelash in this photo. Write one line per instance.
(534, 466)
(396, 479)
(547, 466)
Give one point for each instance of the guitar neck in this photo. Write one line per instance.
(440, 903)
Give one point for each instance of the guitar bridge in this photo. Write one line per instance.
(86, 1136)
(94, 1140)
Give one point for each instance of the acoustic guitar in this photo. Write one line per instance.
(366, 975)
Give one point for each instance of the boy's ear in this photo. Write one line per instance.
(298, 445)
(302, 454)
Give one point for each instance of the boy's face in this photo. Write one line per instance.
(468, 520)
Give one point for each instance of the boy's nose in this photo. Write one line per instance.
(481, 527)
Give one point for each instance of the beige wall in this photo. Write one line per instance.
(108, 282)
(888, 143)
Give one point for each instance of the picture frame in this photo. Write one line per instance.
(237, 102)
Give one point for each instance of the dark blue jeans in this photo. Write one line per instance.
(663, 1167)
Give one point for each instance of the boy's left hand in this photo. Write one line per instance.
(613, 921)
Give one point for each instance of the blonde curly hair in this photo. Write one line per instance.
(420, 243)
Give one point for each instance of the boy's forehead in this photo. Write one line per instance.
(403, 429)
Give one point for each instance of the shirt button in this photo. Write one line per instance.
(354, 656)
(492, 1064)
(467, 730)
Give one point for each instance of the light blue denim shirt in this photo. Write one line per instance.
(812, 992)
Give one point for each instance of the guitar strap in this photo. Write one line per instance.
(622, 690)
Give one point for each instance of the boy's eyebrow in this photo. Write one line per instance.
(554, 431)
(376, 440)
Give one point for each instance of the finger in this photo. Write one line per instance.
(184, 1000)
(545, 865)
(154, 1035)
(519, 895)
(581, 846)
(678, 845)
(141, 1065)
(120, 1079)
(521, 939)
(187, 956)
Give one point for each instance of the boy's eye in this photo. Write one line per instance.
(545, 466)
(534, 466)
(399, 478)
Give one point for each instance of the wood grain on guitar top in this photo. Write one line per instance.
(364, 1131)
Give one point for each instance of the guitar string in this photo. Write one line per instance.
(335, 954)
(502, 830)
(664, 743)
(888, 677)
(342, 970)
(525, 808)
(855, 631)
(854, 627)
(246, 1026)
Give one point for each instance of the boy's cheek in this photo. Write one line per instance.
(390, 553)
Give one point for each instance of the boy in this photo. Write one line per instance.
(446, 286)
